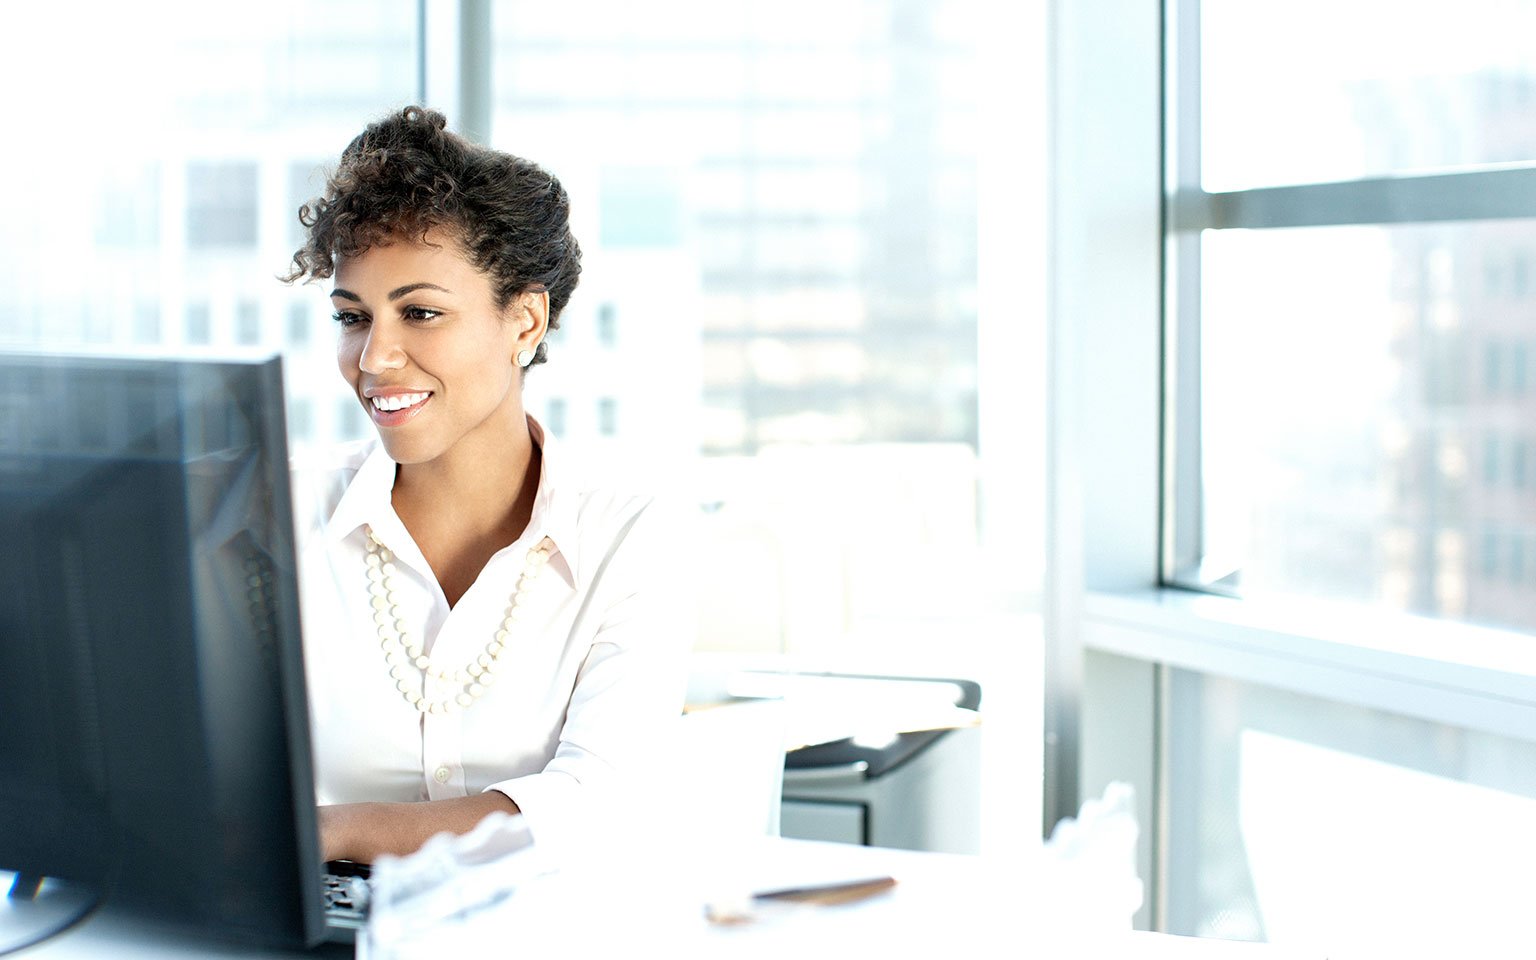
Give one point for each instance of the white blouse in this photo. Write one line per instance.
(589, 686)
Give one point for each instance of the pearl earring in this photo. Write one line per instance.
(524, 357)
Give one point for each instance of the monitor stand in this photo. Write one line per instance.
(36, 908)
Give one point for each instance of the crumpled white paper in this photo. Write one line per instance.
(1089, 864)
(437, 900)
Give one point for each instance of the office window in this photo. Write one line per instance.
(248, 322)
(99, 325)
(300, 319)
(1490, 554)
(301, 414)
(1427, 90)
(128, 212)
(351, 420)
(146, 322)
(199, 324)
(607, 325)
(790, 287)
(1493, 367)
(221, 204)
(554, 416)
(175, 164)
(819, 180)
(1346, 363)
(306, 180)
(1293, 806)
(1348, 280)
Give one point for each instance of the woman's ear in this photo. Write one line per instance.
(532, 319)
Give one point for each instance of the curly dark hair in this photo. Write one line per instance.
(407, 174)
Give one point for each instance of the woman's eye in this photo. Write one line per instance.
(420, 314)
(348, 318)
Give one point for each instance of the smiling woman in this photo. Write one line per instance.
(484, 630)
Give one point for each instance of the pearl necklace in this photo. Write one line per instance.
(403, 650)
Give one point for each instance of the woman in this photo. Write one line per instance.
(494, 635)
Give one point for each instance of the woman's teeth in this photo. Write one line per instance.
(399, 401)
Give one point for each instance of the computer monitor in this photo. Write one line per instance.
(153, 724)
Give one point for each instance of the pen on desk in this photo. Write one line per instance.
(830, 893)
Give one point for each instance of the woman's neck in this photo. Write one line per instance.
(464, 506)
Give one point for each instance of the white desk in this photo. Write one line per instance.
(942, 905)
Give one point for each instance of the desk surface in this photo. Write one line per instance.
(941, 905)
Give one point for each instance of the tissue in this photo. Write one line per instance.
(448, 892)
(1089, 865)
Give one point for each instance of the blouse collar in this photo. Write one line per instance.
(366, 501)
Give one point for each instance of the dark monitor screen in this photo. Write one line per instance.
(153, 724)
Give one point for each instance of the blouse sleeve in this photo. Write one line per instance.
(629, 691)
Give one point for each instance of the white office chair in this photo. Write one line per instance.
(726, 771)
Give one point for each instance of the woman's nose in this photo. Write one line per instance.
(381, 352)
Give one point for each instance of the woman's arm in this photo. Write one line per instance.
(363, 831)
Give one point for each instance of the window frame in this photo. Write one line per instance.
(1127, 211)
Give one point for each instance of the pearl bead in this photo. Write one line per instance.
(401, 647)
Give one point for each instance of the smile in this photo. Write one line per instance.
(399, 401)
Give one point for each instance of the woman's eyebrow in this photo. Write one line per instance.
(399, 292)
(394, 294)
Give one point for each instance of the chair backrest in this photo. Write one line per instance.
(728, 770)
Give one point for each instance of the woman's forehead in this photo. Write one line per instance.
(437, 252)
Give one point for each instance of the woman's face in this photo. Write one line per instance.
(426, 351)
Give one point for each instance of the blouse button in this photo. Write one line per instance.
(441, 774)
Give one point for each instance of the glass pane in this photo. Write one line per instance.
(1320, 90)
(780, 228)
(1342, 829)
(162, 180)
(1368, 418)
(803, 184)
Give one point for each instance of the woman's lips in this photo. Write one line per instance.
(391, 410)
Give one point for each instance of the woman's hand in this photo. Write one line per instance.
(363, 831)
